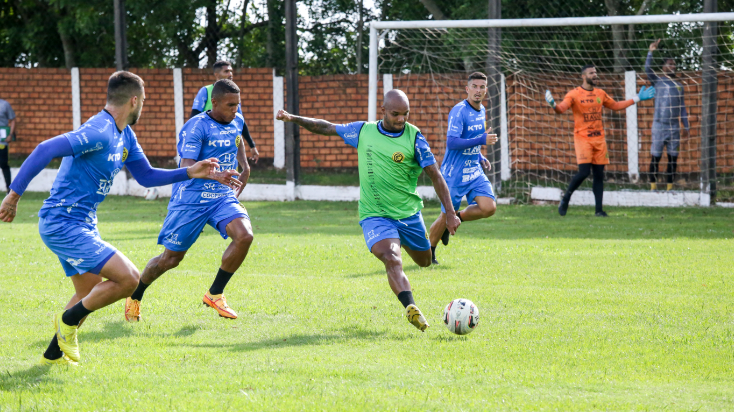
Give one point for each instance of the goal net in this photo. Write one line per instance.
(535, 158)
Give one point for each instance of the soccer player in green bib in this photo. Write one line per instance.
(392, 153)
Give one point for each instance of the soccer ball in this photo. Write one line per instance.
(151, 193)
(461, 316)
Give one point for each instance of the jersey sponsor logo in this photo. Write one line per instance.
(101, 247)
(97, 147)
(114, 157)
(209, 195)
(468, 170)
(173, 239)
(398, 157)
(228, 131)
(475, 127)
(226, 161)
(74, 262)
(371, 235)
(598, 100)
(105, 185)
(472, 151)
(190, 147)
(210, 186)
(587, 101)
(350, 135)
(220, 143)
(109, 122)
(469, 178)
(238, 140)
(592, 117)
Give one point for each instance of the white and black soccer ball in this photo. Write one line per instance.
(151, 193)
(461, 316)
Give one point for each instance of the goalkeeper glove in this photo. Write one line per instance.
(645, 94)
(549, 99)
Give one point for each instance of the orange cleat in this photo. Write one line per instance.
(219, 303)
(132, 310)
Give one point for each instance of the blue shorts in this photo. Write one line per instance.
(411, 231)
(182, 227)
(479, 187)
(77, 244)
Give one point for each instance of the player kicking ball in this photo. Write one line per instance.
(463, 163)
(391, 155)
(92, 157)
(586, 103)
(197, 202)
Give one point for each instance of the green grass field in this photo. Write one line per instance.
(633, 312)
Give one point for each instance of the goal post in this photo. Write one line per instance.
(430, 59)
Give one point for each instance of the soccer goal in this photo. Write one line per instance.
(534, 158)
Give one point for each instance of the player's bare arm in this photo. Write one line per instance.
(317, 126)
(9, 207)
(245, 174)
(442, 190)
(207, 169)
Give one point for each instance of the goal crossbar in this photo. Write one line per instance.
(499, 23)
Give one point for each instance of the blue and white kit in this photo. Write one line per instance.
(197, 202)
(461, 167)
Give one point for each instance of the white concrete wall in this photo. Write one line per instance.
(626, 198)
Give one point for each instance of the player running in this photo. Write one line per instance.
(591, 148)
(93, 155)
(391, 154)
(670, 111)
(196, 203)
(203, 102)
(463, 163)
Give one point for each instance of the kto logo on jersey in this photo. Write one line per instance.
(398, 157)
(475, 127)
(220, 143)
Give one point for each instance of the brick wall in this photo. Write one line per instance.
(41, 99)
(539, 139)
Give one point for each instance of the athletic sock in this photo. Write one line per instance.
(54, 351)
(73, 316)
(138, 294)
(406, 298)
(220, 282)
(458, 214)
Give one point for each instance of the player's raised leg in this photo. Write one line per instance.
(388, 251)
(156, 267)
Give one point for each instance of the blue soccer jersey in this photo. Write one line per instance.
(461, 166)
(202, 97)
(202, 138)
(84, 180)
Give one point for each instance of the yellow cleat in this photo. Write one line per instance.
(132, 310)
(415, 317)
(64, 360)
(66, 336)
(219, 303)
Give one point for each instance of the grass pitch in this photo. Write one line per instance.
(633, 312)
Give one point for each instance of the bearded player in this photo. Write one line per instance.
(586, 102)
(391, 155)
(196, 203)
(463, 163)
(92, 157)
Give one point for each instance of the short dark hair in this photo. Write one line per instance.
(477, 76)
(588, 66)
(220, 64)
(224, 86)
(122, 86)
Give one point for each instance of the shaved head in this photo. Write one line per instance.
(395, 110)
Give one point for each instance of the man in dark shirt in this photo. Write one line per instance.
(7, 126)
(670, 110)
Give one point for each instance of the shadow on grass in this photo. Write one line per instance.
(347, 334)
(27, 380)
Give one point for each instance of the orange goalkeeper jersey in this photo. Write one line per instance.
(586, 106)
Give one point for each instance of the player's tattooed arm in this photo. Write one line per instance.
(317, 126)
(442, 190)
(9, 207)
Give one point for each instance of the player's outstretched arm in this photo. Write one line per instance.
(317, 126)
(41, 156)
(208, 169)
(645, 94)
(560, 107)
(442, 190)
(648, 62)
